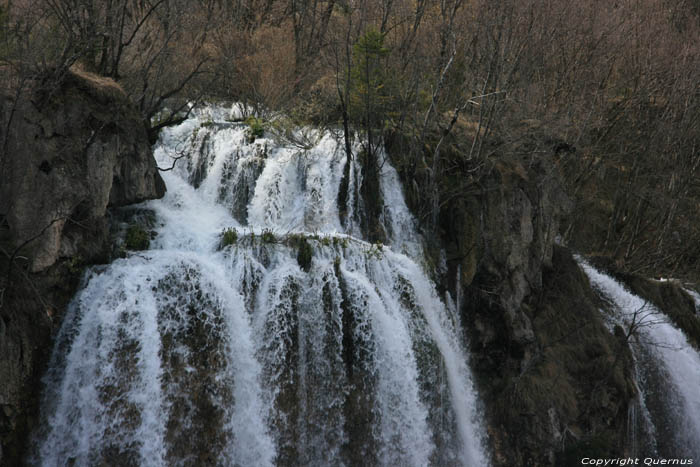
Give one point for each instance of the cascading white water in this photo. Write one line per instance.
(669, 366)
(191, 354)
(696, 298)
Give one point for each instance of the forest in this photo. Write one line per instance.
(610, 87)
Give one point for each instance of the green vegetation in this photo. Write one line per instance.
(137, 238)
(375, 251)
(340, 241)
(75, 264)
(372, 89)
(256, 128)
(228, 237)
(268, 236)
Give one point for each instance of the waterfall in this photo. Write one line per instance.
(668, 368)
(696, 299)
(300, 343)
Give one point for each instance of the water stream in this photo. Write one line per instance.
(668, 371)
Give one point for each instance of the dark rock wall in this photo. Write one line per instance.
(71, 153)
(553, 379)
(568, 387)
(551, 375)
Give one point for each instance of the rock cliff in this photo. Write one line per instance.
(552, 378)
(71, 152)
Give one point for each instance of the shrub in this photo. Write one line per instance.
(256, 128)
(137, 238)
(375, 251)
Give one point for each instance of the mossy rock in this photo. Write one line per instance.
(137, 238)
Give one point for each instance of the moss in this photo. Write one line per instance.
(137, 238)
(228, 237)
(304, 255)
(75, 264)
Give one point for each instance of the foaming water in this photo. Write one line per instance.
(668, 368)
(192, 353)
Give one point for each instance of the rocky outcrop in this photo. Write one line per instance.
(554, 380)
(69, 156)
(502, 239)
(566, 393)
(73, 151)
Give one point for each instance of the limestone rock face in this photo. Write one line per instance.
(69, 156)
(72, 151)
(504, 238)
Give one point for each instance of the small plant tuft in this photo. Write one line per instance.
(267, 236)
(375, 251)
(228, 237)
(75, 265)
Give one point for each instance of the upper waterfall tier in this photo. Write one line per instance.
(268, 185)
